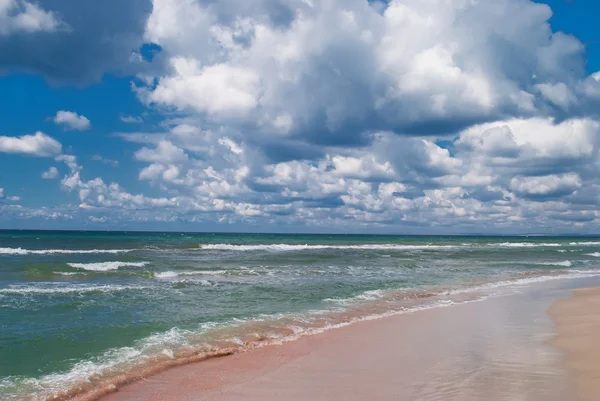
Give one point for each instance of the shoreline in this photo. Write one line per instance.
(253, 335)
(577, 325)
(462, 352)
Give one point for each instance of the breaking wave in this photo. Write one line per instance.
(21, 251)
(306, 247)
(106, 266)
(67, 289)
(104, 373)
(172, 274)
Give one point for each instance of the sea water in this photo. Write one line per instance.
(79, 309)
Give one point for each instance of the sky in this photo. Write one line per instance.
(341, 116)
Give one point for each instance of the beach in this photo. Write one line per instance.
(578, 329)
(501, 348)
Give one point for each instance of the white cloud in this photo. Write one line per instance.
(26, 17)
(8, 198)
(450, 115)
(131, 119)
(110, 162)
(38, 144)
(72, 120)
(548, 185)
(165, 152)
(50, 174)
(335, 69)
(220, 89)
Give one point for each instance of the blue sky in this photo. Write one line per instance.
(405, 116)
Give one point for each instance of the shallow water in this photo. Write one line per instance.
(78, 308)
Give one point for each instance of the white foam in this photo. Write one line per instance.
(566, 263)
(165, 343)
(306, 247)
(365, 296)
(172, 274)
(595, 254)
(21, 251)
(586, 243)
(524, 244)
(66, 290)
(573, 274)
(106, 266)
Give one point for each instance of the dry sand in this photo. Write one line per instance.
(578, 333)
(493, 350)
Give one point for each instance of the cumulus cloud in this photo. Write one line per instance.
(38, 144)
(72, 120)
(99, 37)
(405, 115)
(20, 16)
(50, 174)
(327, 72)
(545, 186)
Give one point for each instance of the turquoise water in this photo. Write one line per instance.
(77, 308)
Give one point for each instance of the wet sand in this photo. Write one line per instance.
(578, 330)
(496, 349)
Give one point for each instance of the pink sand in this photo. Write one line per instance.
(483, 350)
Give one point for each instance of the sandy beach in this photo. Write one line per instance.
(578, 329)
(495, 349)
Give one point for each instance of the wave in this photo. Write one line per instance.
(171, 274)
(118, 366)
(21, 251)
(566, 263)
(67, 290)
(306, 247)
(571, 274)
(595, 254)
(106, 266)
(386, 247)
(370, 295)
(524, 244)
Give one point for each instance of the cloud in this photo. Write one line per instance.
(98, 40)
(546, 186)
(38, 144)
(328, 73)
(8, 198)
(131, 119)
(219, 89)
(110, 162)
(20, 16)
(507, 176)
(416, 116)
(50, 174)
(72, 120)
(165, 152)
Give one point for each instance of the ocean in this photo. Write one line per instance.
(80, 310)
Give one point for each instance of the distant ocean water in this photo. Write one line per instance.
(79, 310)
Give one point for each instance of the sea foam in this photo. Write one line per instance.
(21, 251)
(67, 289)
(566, 263)
(306, 247)
(172, 274)
(106, 266)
